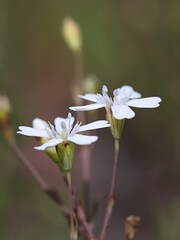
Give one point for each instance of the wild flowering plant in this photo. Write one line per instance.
(59, 141)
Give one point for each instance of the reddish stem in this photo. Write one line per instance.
(111, 192)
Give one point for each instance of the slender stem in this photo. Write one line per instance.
(51, 192)
(84, 150)
(77, 86)
(45, 187)
(82, 217)
(78, 68)
(115, 166)
(111, 193)
(84, 155)
(70, 195)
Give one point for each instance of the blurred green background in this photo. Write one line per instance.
(124, 42)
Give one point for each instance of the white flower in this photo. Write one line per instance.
(124, 98)
(62, 132)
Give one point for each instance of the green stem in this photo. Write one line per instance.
(111, 192)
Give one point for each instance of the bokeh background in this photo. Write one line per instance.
(124, 42)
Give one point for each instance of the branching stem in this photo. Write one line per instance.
(51, 192)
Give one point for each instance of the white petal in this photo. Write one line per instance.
(89, 96)
(58, 121)
(94, 125)
(135, 94)
(29, 131)
(51, 143)
(82, 139)
(39, 124)
(122, 111)
(70, 119)
(88, 107)
(149, 102)
(104, 89)
(127, 89)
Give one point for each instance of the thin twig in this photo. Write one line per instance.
(84, 150)
(82, 216)
(84, 155)
(111, 193)
(45, 187)
(51, 192)
(78, 64)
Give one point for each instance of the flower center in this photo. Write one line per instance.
(121, 97)
(104, 98)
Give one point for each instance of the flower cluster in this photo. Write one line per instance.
(64, 134)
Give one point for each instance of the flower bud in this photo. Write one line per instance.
(72, 34)
(116, 125)
(5, 121)
(39, 124)
(51, 152)
(132, 226)
(90, 84)
(65, 152)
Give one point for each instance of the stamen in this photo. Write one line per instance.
(76, 128)
(115, 92)
(69, 123)
(69, 115)
(104, 90)
(49, 131)
(53, 131)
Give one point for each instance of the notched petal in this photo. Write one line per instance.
(82, 139)
(87, 107)
(29, 131)
(149, 102)
(94, 125)
(51, 143)
(122, 112)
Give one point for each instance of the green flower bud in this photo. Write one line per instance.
(65, 152)
(51, 152)
(72, 34)
(116, 125)
(5, 121)
(90, 84)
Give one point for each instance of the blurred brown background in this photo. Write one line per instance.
(124, 42)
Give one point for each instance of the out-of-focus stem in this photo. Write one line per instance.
(51, 192)
(72, 230)
(84, 150)
(111, 192)
(78, 70)
(83, 219)
(84, 155)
